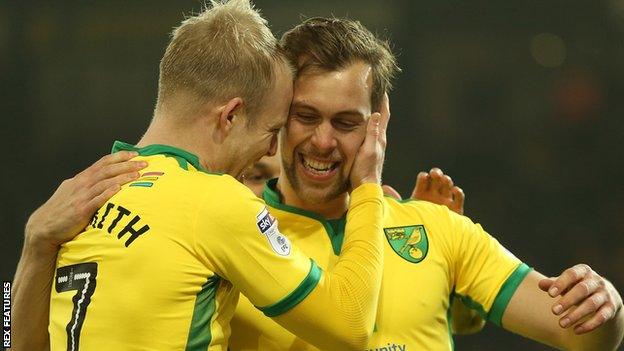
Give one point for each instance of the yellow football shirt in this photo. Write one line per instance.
(155, 268)
(432, 256)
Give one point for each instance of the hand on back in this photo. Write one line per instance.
(434, 187)
(74, 202)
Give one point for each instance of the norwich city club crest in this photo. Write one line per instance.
(409, 242)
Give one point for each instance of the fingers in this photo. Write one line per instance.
(458, 200)
(588, 306)
(118, 180)
(423, 183)
(99, 200)
(369, 159)
(372, 132)
(577, 294)
(117, 157)
(94, 172)
(585, 294)
(109, 172)
(605, 313)
(373, 127)
(115, 169)
(385, 114)
(390, 191)
(441, 182)
(568, 278)
(438, 188)
(545, 284)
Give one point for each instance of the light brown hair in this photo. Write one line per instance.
(225, 51)
(330, 44)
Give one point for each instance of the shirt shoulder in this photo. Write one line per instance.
(417, 210)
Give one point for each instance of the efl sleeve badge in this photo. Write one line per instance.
(267, 225)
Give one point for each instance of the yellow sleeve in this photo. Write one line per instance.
(340, 313)
(241, 242)
(486, 274)
(334, 310)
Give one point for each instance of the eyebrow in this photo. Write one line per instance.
(303, 105)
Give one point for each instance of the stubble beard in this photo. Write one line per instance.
(315, 194)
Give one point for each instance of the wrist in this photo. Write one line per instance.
(37, 238)
(366, 180)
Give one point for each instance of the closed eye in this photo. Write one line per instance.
(305, 118)
(345, 125)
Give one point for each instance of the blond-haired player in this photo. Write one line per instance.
(317, 135)
(161, 263)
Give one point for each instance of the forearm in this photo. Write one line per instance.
(339, 314)
(529, 314)
(607, 337)
(31, 294)
(360, 265)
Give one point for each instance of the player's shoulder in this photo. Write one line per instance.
(416, 209)
(225, 193)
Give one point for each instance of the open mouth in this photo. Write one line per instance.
(318, 169)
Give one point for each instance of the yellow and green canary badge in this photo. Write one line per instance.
(409, 242)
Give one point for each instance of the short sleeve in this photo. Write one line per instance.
(486, 274)
(240, 240)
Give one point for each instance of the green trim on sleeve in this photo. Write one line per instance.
(472, 304)
(334, 227)
(181, 156)
(200, 335)
(506, 292)
(296, 296)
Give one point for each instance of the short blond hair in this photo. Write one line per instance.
(225, 51)
(330, 44)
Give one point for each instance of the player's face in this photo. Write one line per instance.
(326, 126)
(260, 138)
(261, 171)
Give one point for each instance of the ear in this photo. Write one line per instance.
(229, 114)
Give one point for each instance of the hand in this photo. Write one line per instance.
(72, 205)
(587, 299)
(434, 187)
(438, 188)
(369, 159)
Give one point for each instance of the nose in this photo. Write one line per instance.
(323, 138)
(273, 147)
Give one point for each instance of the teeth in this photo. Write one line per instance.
(317, 165)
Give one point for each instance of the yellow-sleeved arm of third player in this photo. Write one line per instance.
(332, 310)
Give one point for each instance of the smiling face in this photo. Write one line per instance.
(326, 126)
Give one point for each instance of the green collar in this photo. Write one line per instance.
(183, 157)
(334, 227)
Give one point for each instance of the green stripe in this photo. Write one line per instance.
(143, 184)
(294, 298)
(506, 292)
(199, 332)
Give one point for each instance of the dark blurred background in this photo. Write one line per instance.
(519, 101)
